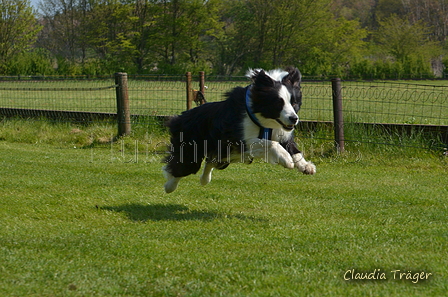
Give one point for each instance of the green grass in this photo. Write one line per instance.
(371, 102)
(94, 221)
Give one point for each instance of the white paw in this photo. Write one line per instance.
(171, 185)
(172, 182)
(304, 166)
(206, 178)
(310, 169)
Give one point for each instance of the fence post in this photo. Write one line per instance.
(123, 110)
(189, 90)
(336, 87)
(202, 82)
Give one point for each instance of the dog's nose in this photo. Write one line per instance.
(293, 119)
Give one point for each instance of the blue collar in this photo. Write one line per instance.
(265, 133)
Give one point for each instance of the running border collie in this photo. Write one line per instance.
(253, 122)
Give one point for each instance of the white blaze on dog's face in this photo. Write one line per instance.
(276, 98)
(288, 117)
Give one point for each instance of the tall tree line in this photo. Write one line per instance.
(376, 38)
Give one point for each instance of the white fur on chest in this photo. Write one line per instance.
(251, 131)
(269, 150)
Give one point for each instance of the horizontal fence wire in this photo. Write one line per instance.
(377, 105)
(397, 113)
(156, 98)
(64, 100)
(395, 103)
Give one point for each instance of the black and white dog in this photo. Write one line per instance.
(253, 122)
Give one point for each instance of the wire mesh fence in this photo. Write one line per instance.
(415, 104)
(396, 103)
(66, 95)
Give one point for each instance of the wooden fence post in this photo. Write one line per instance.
(123, 110)
(336, 87)
(202, 82)
(189, 90)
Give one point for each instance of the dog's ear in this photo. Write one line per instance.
(293, 78)
(261, 79)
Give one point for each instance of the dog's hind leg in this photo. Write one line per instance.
(206, 176)
(171, 181)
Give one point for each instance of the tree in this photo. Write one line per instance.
(344, 44)
(61, 33)
(387, 8)
(145, 32)
(432, 12)
(109, 32)
(271, 34)
(401, 39)
(185, 30)
(18, 29)
(361, 10)
(406, 46)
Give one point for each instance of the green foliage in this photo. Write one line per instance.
(35, 62)
(323, 38)
(400, 50)
(18, 30)
(338, 49)
(411, 67)
(402, 39)
(269, 34)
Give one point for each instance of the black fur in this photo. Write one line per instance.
(216, 131)
(217, 123)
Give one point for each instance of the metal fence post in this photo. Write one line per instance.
(189, 90)
(123, 110)
(336, 87)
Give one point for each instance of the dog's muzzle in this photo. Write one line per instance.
(293, 120)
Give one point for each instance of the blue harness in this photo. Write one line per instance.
(265, 133)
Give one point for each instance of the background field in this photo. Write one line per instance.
(94, 221)
(423, 102)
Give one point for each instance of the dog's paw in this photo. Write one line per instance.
(309, 168)
(205, 178)
(171, 183)
(302, 165)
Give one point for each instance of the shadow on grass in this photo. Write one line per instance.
(171, 212)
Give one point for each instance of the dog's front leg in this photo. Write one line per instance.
(299, 161)
(270, 151)
(302, 165)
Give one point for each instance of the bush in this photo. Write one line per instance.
(35, 62)
(410, 67)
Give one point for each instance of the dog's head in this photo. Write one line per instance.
(276, 97)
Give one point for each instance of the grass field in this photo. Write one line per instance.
(80, 218)
(372, 102)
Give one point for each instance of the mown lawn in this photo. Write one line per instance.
(86, 222)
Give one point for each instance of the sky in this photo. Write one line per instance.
(34, 3)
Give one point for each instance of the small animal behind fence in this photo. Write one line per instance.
(199, 97)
